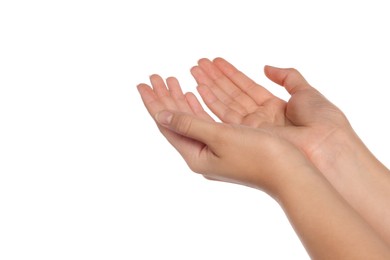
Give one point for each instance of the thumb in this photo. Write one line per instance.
(188, 125)
(289, 78)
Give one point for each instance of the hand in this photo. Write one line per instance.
(308, 119)
(311, 123)
(239, 154)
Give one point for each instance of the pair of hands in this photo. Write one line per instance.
(283, 148)
(263, 140)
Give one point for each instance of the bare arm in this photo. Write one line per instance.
(327, 226)
(362, 180)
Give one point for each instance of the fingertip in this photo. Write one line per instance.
(170, 79)
(290, 78)
(194, 69)
(196, 107)
(221, 63)
(218, 60)
(203, 61)
(266, 68)
(139, 87)
(272, 71)
(270, 68)
(142, 86)
(190, 97)
(192, 100)
(153, 76)
(188, 94)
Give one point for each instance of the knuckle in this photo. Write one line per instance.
(194, 167)
(183, 124)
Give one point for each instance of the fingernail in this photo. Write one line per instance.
(164, 117)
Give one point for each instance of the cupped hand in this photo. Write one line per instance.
(239, 154)
(307, 119)
(159, 97)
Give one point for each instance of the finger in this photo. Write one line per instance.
(153, 102)
(174, 88)
(185, 146)
(202, 78)
(218, 77)
(215, 104)
(258, 93)
(177, 95)
(150, 99)
(196, 107)
(222, 111)
(217, 91)
(196, 139)
(159, 86)
(289, 78)
(190, 126)
(237, 99)
(161, 92)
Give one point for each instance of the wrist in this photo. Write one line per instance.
(345, 157)
(296, 179)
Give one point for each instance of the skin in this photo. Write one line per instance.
(267, 162)
(310, 122)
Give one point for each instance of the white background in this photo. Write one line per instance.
(84, 172)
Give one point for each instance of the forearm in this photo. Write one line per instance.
(327, 226)
(361, 180)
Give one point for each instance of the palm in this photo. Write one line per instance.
(307, 120)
